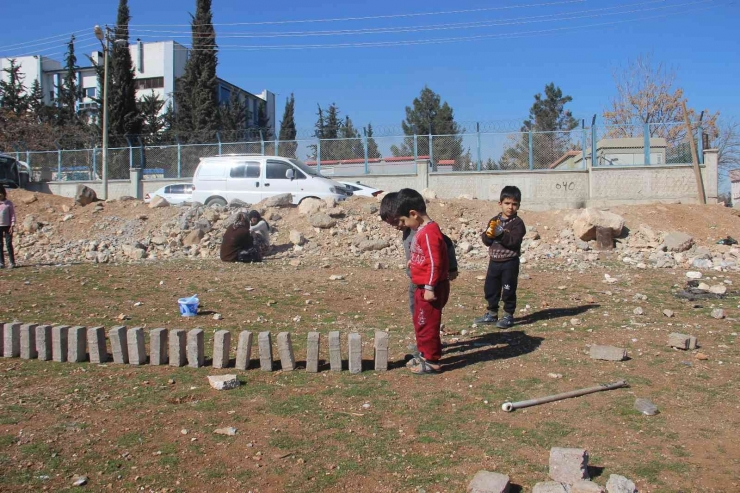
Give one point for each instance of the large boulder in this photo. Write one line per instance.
(85, 195)
(297, 238)
(282, 200)
(323, 221)
(193, 238)
(158, 202)
(678, 242)
(310, 205)
(585, 224)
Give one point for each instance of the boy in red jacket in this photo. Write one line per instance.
(429, 267)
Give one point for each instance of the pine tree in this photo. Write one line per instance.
(36, 101)
(13, 98)
(332, 123)
(263, 122)
(123, 114)
(372, 146)
(233, 117)
(150, 108)
(196, 97)
(69, 93)
(288, 146)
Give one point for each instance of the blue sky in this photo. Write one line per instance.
(485, 79)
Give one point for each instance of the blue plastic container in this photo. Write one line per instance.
(189, 306)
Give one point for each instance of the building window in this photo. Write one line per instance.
(225, 95)
(90, 92)
(150, 83)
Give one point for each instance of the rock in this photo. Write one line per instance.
(229, 431)
(585, 224)
(575, 321)
(718, 289)
(135, 251)
(80, 481)
(428, 194)
(701, 263)
(372, 245)
(370, 208)
(238, 204)
(323, 221)
(549, 487)
(638, 311)
(193, 238)
(464, 247)
(465, 196)
(126, 198)
(158, 240)
(488, 482)
(31, 224)
(103, 257)
(295, 262)
(718, 313)
(678, 242)
(310, 205)
(608, 353)
(694, 275)
(668, 313)
(703, 286)
(568, 465)
(330, 202)
(282, 200)
(212, 215)
(29, 199)
(335, 212)
(682, 341)
(646, 407)
(620, 484)
(586, 487)
(223, 382)
(297, 238)
(85, 195)
(218, 316)
(67, 218)
(701, 356)
(336, 278)
(158, 202)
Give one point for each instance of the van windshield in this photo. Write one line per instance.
(304, 167)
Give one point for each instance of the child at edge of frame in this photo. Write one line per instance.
(7, 223)
(429, 268)
(503, 237)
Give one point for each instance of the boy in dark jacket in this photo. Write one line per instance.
(503, 237)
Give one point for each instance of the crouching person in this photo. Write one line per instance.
(237, 244)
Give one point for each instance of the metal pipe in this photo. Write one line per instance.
(510, 406)
(106, 49)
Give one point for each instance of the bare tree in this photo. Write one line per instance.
(646, 94)
(727, 143)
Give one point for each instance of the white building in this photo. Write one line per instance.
(157, 66)
(735, 188)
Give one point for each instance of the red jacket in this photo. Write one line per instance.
(429, 262)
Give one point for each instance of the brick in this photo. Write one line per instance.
(59, 342)
(43, 342)
(313, 343)
(285, 350)
(221, 348)
(488, 482)
(244, 350)
(196, 349)
(11, 340)
(28, 341)
(586, 487)
(335, 351)
(77, 344)
(354, 341)
(381, 350)
(177, 347)
(158, 347)
(568, 465)
(119, 344)
(96, 345)
(549, 487)
(608, 353)
(264, 340)
(136, 346)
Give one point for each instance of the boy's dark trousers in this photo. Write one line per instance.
(501, 283)
(5, 232)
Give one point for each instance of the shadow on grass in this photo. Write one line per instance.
(550, 313)
(487, 347)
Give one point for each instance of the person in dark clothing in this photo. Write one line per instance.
(503, 237)
(237, 244)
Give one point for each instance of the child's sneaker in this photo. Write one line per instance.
(11, 266)
(507, 322)
(488, 318)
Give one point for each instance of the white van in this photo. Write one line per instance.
(251, 178)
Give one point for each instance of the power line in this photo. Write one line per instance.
(44, 51)
(29, 44)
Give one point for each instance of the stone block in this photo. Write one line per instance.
(264, 339)
(119, 344)
(136, 346)
(488, 482)
(223, 382)
(244, 350)
(335, 351)
(285, 350)
(221, 348)
(59, 342)
(11, 340)
(158, 346)
(381, 350)
(196, 348)
(177, 347)
(568, 465)
(96, 345)
(28, 341)
(693, 342)
(586, 487)
(608, 353)
(77, 344)
(43, 342)
(354, 341)
(680, 341)
(620, 484)
(550, 487)
(313, 343)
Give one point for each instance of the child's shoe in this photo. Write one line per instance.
(488, 318)
(11, 266)
(507, 322)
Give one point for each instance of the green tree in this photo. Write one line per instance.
(550, 123)
(233, 117)
(36, 101)
(263, 122)
(13, 98)
(153, 122)
(372, 147)
(288, 146)
(69, 93)
(123, 113)
(196, 97)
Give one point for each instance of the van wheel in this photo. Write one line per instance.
(215, 201)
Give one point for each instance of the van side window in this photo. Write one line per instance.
(238, 171)
(276, 170)
(246, 170)
(253, 170)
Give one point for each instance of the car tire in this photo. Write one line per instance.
(215, 201)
